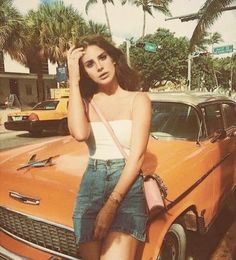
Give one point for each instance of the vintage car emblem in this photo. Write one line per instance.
(24, 198)
(41, 163)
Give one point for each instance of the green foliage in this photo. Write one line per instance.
(211, 73)
(169, 63)
(12, 31)
(55, 27)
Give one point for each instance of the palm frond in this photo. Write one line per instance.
(88, 4)
(163, 9)
(209, 13)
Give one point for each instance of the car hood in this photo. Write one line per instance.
(56, 185)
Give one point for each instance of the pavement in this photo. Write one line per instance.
(226, 250)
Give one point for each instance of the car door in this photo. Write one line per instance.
(229, 118)
(222, 152)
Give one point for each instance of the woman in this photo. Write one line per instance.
(110, 211)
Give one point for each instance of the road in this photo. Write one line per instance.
(218, 244)
(12, 139)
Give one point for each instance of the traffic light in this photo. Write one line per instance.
(147, 46)
(204, 53)
(140, 44)
(200, 53)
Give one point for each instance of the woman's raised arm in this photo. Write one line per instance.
(77, 114)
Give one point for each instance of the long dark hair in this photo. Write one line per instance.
(127, 77)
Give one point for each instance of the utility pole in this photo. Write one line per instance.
(190, 57)
(189, 70)
(127, 51)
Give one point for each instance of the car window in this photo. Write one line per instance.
(46, 105)
(229, 112)
(213, 118)
(174, 120)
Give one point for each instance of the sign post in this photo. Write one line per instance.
(149, 46)
(61, 74)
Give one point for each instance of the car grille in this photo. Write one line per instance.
(47, 236)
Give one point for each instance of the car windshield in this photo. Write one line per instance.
(174, 120)
(46, 105)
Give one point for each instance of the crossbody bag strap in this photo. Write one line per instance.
(109, 128)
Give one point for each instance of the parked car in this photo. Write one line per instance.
(192, 147)
(46, 115)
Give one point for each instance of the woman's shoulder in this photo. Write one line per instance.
(139, 100)
(139, 96)
(133, 94)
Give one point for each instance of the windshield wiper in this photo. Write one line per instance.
(154, 136)
(41, 163)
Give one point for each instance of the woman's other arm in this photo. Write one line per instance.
(141, 119)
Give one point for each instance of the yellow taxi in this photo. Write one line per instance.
(46, 115)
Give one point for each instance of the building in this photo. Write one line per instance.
(23, 83)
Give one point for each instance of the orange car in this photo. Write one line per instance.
(46, 115)
(192, 147)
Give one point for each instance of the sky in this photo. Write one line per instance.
(127, 21)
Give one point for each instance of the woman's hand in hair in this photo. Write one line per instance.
(104, 219)
(73, 57)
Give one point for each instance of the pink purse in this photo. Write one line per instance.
(154, 189)
(155, 193)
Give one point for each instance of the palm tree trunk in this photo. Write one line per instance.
(107, 18)
(144, 23)
(215, 77)
(40, 87)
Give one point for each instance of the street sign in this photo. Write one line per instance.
(61, 74)
(151, 47)
(223, 49)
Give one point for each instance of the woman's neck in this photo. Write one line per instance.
(109, 90)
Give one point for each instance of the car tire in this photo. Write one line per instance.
(174, 245)
(63, 128)
(36, 133)
(231, 203)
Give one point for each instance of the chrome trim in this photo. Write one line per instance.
(39, 219)
(38, 247)
(23, 198)
(9, 255)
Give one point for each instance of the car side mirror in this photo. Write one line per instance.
(218, 134)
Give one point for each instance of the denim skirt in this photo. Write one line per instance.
(96, 186)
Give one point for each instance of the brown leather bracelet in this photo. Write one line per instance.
(114, 199)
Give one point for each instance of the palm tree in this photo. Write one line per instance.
(12, 33)
(51, 30)
(208, 14)
(97, 28)
(209, 39)
(148, 6)
(57, 27)
(104, 2)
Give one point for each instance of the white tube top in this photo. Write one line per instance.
(101, 144)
